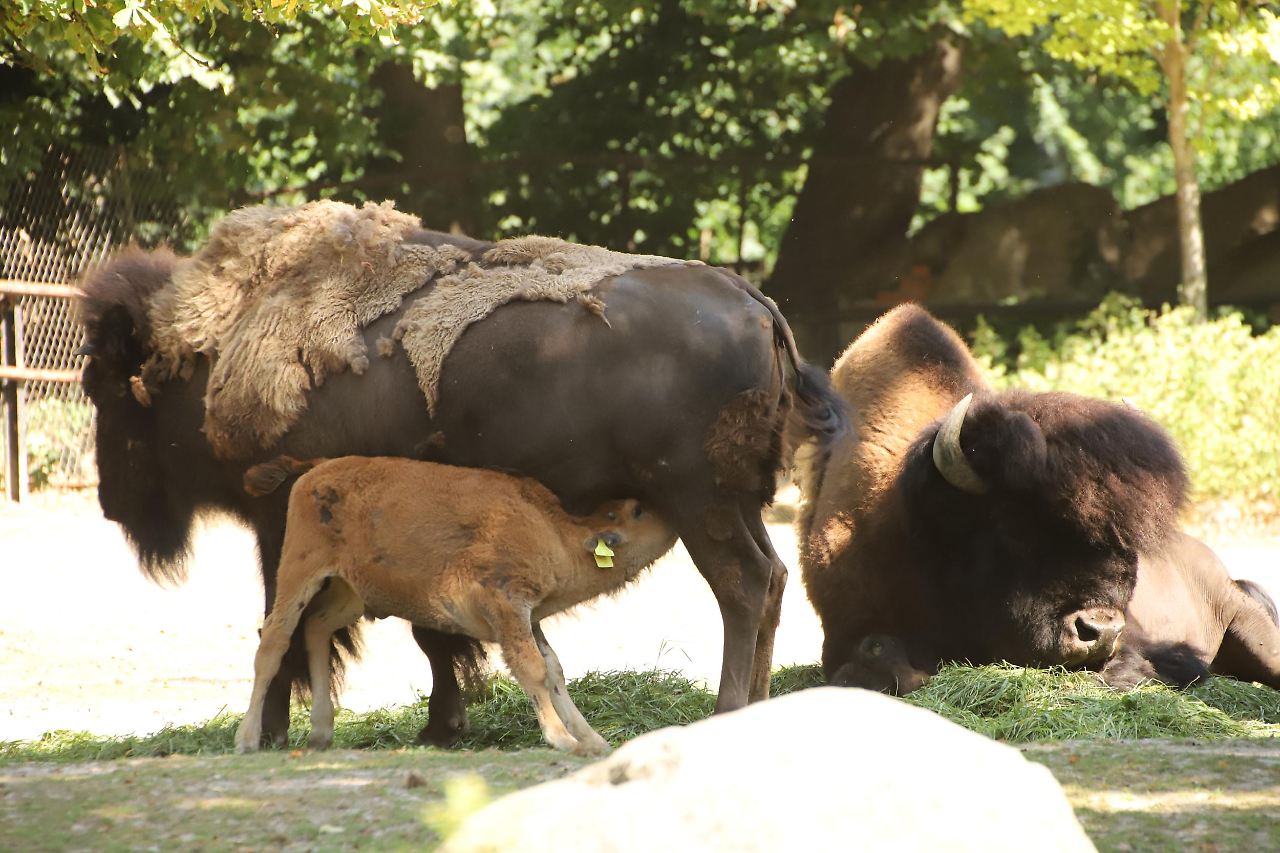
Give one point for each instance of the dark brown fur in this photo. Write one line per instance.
(594, 412)
(1039, 569)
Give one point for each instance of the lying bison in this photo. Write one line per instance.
(669, 384)
(1034, 528)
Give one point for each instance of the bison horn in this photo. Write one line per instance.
(948, 456)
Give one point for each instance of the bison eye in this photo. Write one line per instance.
(875, 649)
(612, 516)
(637, 512)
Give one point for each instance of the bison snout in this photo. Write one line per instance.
(612, 538)
(1092, 634)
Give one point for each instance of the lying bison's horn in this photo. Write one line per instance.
(948, 455)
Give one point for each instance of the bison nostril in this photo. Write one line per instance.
(1087, 631)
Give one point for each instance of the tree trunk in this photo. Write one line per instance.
(863, 187)
(1194, 289)
(430, 174)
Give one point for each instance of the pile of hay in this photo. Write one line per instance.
(278, 297)
(1021, 704)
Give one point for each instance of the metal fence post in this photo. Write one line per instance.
(15, 440)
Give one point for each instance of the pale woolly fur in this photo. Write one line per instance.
(277, 298)
(529, 268)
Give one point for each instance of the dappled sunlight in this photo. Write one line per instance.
(1164, 802)
(218, 803)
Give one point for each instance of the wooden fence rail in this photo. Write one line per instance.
(14, 374)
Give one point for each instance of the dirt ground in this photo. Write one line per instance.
(86, 642)
(1128, 795)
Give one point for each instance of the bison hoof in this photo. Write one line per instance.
(443, 731)
(274, 739)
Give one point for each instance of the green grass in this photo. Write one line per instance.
(1005, 702)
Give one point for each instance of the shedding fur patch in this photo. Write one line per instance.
(526, 268)
(277, 297)
(742, 444)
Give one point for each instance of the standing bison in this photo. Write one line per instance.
(668, 383)
(956, 523)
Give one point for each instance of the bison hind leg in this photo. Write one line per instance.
(1251, 647)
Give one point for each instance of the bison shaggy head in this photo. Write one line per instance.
(1026, 512)
(132, 488)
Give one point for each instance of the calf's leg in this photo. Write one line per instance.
(589, 740)
(512, 626)
(277, 631)
(337, 606)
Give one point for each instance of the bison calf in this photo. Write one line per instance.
(460, 550)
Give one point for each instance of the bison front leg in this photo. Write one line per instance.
(447, 720)
(275, 704)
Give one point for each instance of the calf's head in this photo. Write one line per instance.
(1026, 514)
(636, 535)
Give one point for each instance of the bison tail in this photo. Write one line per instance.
(469, 663)
(824, 413)
(266, 478)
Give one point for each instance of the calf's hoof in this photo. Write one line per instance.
(246, 741)
(590, 747)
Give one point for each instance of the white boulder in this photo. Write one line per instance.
(824, 769)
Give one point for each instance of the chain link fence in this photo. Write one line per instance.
(54, 226)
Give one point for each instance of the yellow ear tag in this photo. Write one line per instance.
(603, 555)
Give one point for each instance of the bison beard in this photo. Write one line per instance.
(594, 411)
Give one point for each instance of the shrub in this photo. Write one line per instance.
(55, 429)
(1214, 385)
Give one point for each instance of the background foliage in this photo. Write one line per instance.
(680, 126)
(1215, 386)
